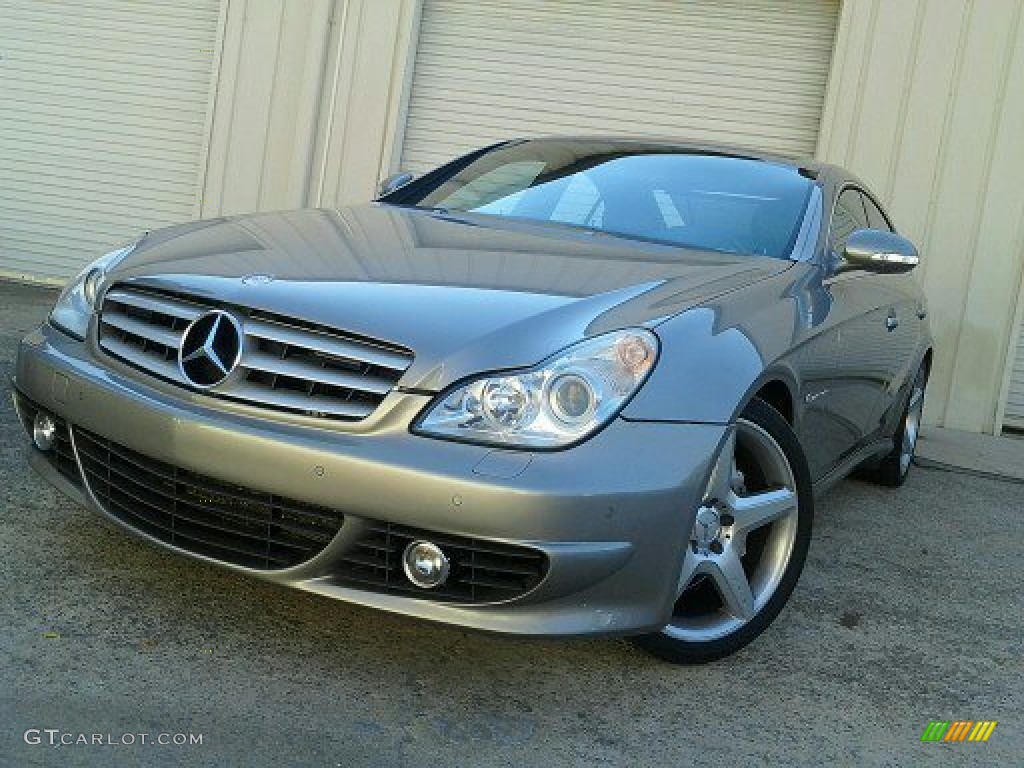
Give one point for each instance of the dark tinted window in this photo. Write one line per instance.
(730, 204)
(876, 218)
(848, 216)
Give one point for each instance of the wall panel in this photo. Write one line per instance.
(267, 106)
(363, 99)
(924, 104)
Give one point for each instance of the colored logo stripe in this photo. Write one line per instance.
(958, 730)
(982, 730)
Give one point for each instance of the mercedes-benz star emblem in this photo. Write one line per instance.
(210, 349)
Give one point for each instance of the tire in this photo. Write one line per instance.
(892, 470)
(754, 523)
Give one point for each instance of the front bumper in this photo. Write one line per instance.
(612, 515)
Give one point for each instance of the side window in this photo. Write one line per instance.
(848, 216)
(875, 216)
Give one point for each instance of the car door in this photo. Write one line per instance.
(907, 318)
(865, 305)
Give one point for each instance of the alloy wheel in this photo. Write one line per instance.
(912, 423)
(742, 539)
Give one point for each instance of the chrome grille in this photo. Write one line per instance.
(285, 365)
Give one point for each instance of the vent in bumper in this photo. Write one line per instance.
(482, 571)
(238, 525)
(200, 514)
(61, 457)
(285, 364)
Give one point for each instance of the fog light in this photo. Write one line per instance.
(44, 431)
(425, 564)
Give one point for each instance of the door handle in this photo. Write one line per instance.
(891, 322)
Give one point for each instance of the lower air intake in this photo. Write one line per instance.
(200, 514)
(60, 457)
(482, 571)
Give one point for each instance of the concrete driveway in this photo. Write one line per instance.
(910, 610)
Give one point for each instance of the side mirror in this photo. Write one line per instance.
(393, 182)
(878, 251)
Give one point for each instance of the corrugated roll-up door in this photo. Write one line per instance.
(748, 72)
(103, 113)
(1013, 416)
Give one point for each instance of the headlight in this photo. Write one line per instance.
(561, 401)
(72, 310)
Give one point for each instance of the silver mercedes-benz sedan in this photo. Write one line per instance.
(565, 386)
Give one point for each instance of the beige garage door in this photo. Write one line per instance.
(750, 72)
(1014, 414)
(103, 107)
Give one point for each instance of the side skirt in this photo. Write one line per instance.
(878, 447)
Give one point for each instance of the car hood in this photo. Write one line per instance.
(464, 292)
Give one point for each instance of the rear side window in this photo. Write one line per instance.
(876, 218)
(849, 216)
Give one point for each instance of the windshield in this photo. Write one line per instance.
(691, 199)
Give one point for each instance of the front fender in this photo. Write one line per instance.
(715, 357)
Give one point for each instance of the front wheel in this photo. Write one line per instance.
(748, 543)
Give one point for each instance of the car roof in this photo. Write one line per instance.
(812, 168)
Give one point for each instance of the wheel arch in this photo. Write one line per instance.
(777, 393)
(926, 361)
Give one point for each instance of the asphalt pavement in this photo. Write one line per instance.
(909, 610)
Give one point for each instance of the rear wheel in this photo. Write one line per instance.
(748, 543)
(892, 470)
